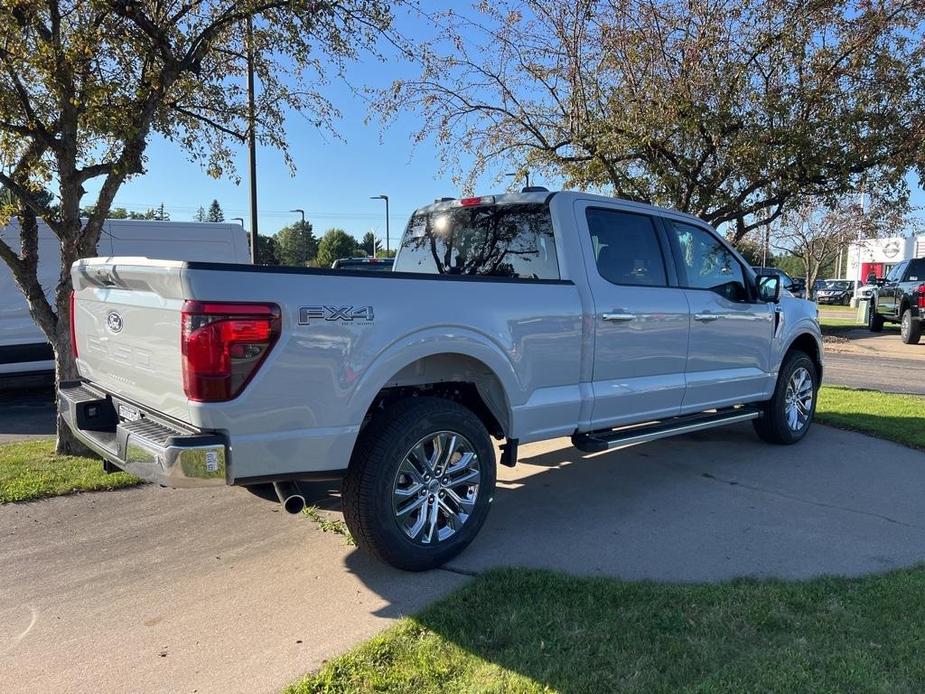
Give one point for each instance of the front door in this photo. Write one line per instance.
(728, 359)
(641, 321)
(888, 292)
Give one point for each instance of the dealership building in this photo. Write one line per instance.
(878, 256)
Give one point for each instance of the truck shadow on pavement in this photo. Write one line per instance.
(707, 507)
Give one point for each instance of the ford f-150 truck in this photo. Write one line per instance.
(523, 317)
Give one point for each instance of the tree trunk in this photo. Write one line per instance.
(65, 370)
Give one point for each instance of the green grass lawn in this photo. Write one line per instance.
(899, 418)
(517, 630)
(31, 470)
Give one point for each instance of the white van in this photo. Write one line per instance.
(23, 347)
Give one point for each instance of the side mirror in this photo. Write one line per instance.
(871, 278)
(769, 288)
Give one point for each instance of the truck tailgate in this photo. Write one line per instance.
(127, 314)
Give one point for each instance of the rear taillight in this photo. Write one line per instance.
(921, 290)
(224, 345)
(73, 316)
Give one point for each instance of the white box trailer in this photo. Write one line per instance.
(23, 347)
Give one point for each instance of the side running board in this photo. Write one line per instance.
(597, 441)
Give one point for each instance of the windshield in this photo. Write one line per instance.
(514, 240)
(837, 285)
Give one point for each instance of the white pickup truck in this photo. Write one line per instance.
(521, 317)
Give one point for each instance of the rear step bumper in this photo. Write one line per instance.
(597, 441)
(147, 448)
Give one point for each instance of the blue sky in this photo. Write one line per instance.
(334, 178)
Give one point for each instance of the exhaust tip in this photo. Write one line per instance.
(288, 494)
(294, 504)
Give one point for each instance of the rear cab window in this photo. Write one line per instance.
(513, 240)
(626, 248)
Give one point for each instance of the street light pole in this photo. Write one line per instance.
(252, 136)
(301, 212)
(386, 198)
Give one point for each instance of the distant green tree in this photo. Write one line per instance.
(267, 250)
(751, 250)
(215, 213)
(297, 245)
(370, 244)
(152, 213)
(336, 243)
(200, 215)
(791, 264)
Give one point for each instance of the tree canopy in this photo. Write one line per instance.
(297, 245)
(727, 110)
(370, 244)
(215, 213)
(336, 243)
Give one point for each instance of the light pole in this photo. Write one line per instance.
(386, 198)
(526, 177)
(301, 212)
(252, 136)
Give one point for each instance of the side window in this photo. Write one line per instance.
(915, 271)
(896, 272)
(626, 248)
(707, 263)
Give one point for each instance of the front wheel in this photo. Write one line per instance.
(788, 415)
(910, 329)
(874, 319)
(420, 483)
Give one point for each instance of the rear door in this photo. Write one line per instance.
(128, 321)
(640, 322)
(728, 358)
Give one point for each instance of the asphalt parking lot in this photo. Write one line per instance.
(153, 589)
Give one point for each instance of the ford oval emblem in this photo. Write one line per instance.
(114, 322)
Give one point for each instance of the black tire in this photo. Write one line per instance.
(773, 425)
(910, 329)
(874, 319)
(373, 476)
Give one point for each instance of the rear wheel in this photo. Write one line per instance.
(420, 483)
(874, 319)
(788, 415)
(910, 329)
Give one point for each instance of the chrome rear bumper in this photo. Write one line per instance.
(149, 448)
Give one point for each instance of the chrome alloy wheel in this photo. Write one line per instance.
(436, 487)
(905, 327)
(798, 401)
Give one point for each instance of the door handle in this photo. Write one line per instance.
(618, 317)
(706, 317)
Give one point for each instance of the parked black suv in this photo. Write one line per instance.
(900, 298)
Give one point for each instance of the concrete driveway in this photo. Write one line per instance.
(154, 590)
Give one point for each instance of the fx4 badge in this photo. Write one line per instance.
(348, 314)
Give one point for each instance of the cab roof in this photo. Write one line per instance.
(542, 196)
